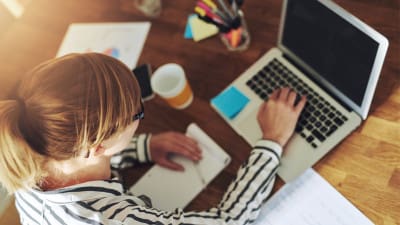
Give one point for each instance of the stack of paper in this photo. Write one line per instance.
(123, 41)
(310, 200)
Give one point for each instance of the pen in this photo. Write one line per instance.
(210, 3)
(212, 7)
(210, 13)
(235, 7)
(225, 8)
(223, 28)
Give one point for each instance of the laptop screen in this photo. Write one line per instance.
(335, 49)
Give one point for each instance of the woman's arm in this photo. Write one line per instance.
(240, 204)
(136, 152)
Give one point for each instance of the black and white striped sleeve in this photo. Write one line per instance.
(136, 152)
(240, 204)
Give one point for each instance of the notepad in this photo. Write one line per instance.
(188, 29)
(230, 102)
(310, 200)
(201, 29)
(170, 189)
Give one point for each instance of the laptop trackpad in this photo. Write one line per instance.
(247, 126)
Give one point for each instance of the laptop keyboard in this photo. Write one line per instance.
(318, 120)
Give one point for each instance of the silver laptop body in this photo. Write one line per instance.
(343, 102)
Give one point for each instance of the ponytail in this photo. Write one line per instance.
(20, 165)
(69, 104)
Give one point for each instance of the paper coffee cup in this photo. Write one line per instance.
(170, 83)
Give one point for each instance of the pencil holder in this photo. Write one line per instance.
(237, 38)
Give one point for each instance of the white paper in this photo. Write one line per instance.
(310, 200)
(123, 41)
(170, 189)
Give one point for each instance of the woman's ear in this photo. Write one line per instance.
(96, 151)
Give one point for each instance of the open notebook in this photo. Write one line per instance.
(170, 189)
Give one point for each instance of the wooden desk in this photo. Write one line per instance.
(365, 167)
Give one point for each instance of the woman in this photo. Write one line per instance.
(72, 123)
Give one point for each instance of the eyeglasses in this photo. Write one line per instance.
(140, 115)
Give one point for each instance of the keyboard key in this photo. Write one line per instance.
(331, 115)
(263, 96)
(331, 130)
(302, 121)
(297, 100)
(314, 101)
(318, 135)
(324, 129)
(318, 124)
(328, 123)
(310, 139)
(322, 118)
(306, 114)
(299, 128)
(249, 82)
(314, 145)
(312, 119)
(309, 127)
(338, 121)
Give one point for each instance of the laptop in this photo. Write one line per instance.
(327, 55)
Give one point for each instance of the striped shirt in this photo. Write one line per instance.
(106, 202)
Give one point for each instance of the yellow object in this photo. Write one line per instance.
(200, 11)
(235, 37)
(210, 3)
(201, 29)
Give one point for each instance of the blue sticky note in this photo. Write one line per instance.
(230, 102)
(188, 29)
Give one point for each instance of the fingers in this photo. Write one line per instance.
(183, 145)
(275, 94)
(299, 107)
(171, 164)
(283, 96)
(184, 151)
(292, 97)
(288, 96)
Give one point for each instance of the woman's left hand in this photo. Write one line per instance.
(164, 145)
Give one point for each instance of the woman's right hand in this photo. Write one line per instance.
(278, 116)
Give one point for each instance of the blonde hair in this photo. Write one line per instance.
(63, 107)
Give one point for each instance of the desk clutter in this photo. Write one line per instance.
(125, 41)
(225, 19)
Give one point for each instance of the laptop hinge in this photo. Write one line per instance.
(299, 67)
